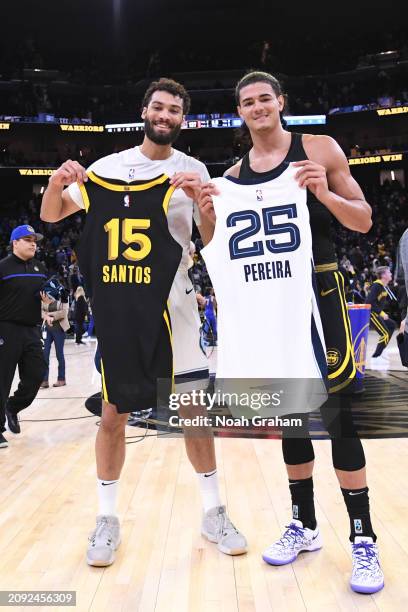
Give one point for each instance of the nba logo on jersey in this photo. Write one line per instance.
(259, 195)
(126, 200)
(358, 526)
(131, 174)
(295, 511)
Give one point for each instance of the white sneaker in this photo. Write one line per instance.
(366, 575)
(103, 541)
(296, 539)
(217, 528)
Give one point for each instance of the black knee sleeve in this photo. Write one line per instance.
(297, 450)
(348, 454)
(347, 450)
(297, 446)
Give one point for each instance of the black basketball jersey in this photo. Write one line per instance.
(320, 217)
(129, 259)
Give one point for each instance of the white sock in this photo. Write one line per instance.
(210, 495)
(107, 496)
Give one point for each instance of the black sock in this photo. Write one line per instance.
(358, 508)
(302, 501)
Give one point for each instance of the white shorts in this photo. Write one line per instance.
(189, 360)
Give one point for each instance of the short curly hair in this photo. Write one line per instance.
(172, 87)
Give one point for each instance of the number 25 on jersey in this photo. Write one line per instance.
(270, 228)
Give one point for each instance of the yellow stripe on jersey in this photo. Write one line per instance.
(346, 322)
(113, 187)
(330, 267)
(104, 390)
(167, 320)
(167, 197)
(84, 196)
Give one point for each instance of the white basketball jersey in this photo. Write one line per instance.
(260, 264)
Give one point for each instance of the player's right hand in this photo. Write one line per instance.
(205, 201)
(69, 172)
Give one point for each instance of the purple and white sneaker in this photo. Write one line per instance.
(366, 576)
(295, 539)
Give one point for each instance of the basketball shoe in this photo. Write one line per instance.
(366, 575)
(295, 539)
(103, 541)
(217, 528)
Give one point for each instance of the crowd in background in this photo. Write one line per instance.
(359, 255)
(217, 153)
(311, 53)
(110, 103)
(101, 89)
(75, 97)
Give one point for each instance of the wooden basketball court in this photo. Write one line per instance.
(48, 507)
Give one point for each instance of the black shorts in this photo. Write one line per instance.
(336, 327)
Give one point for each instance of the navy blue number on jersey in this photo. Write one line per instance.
(270, 229)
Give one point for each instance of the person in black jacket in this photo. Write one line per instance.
(21, 279)
(377, 297)
(80, 312)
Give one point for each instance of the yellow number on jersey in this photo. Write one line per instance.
(129, 236)
(113, 241)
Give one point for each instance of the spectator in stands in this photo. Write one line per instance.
(55, 316)
(80, 313)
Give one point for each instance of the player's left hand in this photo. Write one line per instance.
(313, 176)
(189, 182)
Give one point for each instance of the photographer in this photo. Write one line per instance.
(55, 315)
(21, 279)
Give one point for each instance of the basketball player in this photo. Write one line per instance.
(164, 105)
(323, 170)
(377, 297)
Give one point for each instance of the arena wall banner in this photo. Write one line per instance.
(25, 171)
(377, 159)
